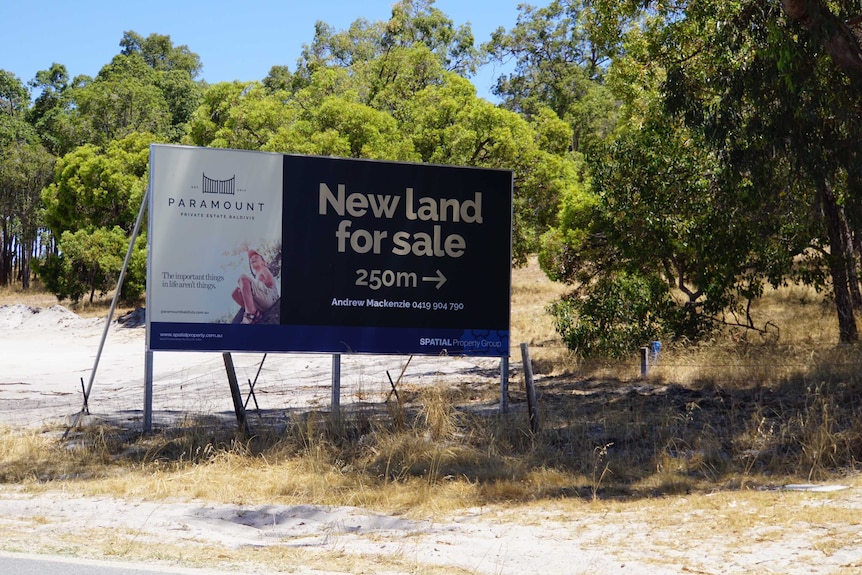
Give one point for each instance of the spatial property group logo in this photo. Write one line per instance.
(215, 198)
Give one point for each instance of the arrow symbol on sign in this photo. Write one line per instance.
(439, 278)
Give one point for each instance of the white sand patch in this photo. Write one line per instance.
(537, 540)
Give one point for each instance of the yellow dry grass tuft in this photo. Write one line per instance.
(532, 291)
(37, 296)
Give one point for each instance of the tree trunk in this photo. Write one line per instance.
(5, 254)
(838, 264)
(855, 288)
(26, 255)
(92, 284)
(835, 36)
(853, 282)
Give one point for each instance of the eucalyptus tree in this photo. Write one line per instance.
(149, 86)
(208, 125)
(419, 23)
(239, 115)
(449, 124)
(412, 23)
(177, 69)
(279, 79)
(14, 103)
(25, 168)
(773, 96)
(101, 128)
(834, 26)
(122, 99)
(784, 114)
(17, 140)
(161, 54)
(52, 111)
(395, 90)
(316, 120)
(417, 72)
(390, 61)
(91, 207)
(557, 65)
(644, 228)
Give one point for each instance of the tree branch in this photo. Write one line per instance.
(836, 36)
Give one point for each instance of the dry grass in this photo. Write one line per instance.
(37, 296)
(532, 291)
(711, 425)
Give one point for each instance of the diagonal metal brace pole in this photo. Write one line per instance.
(400, 376)
(85, 410)
(251, 384)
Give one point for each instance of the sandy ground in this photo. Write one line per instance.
(49, 356)
(46, 353)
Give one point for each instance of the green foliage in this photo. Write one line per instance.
(773, 100)
(89, 262)
(14, 100)
(659, 207)
(279, 79)
(450, 125)
(390, 90)
(14, 97)
(25, 166)
(51, 115)
(159, 52)
(362, 132)
(214, 113)
(421, 114)
(24, 170)
(556, 66)
(96, 187)
(616, 315)
(562, 246)
(91, 207)
(135, 280)
(418, 22)
(149, 87)
(239, 115)
(413, 23)
(397, 76)
(123, 99)
(733, 168)
(182, 95)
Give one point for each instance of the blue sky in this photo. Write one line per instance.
(239, 40)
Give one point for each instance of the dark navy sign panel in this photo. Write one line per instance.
(376, 257)
(378, 263)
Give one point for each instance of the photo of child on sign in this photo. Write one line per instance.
(257, 291)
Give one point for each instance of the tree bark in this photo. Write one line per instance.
(855, 287)
(5, 254)
(26, 256)
(838, 264)
(835, 36)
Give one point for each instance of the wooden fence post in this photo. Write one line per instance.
(644, 361)
(532, 407)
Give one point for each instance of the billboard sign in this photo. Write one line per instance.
(255, 251)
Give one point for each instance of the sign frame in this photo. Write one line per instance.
(360, 256)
